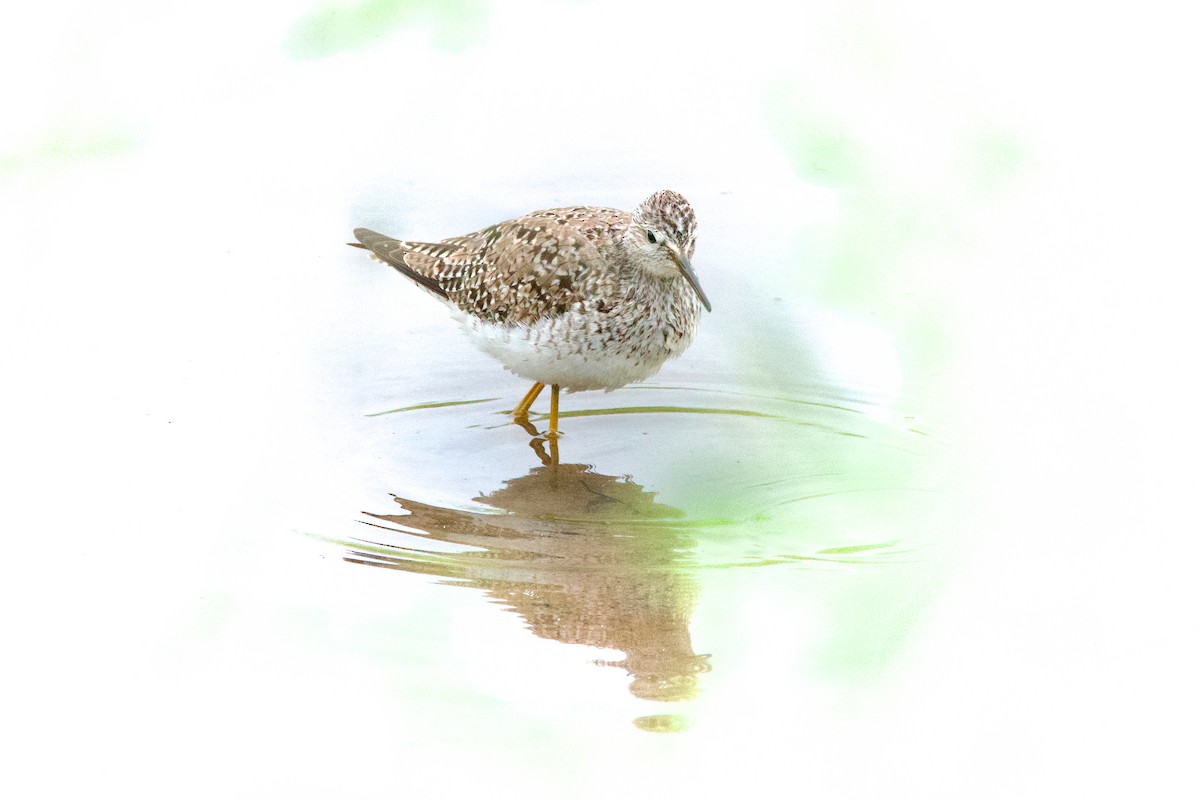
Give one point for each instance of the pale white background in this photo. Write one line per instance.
(172, 180)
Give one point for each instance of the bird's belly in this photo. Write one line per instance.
(573, 352)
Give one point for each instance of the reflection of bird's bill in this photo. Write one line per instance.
(685, 267)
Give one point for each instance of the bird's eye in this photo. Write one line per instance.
(651, 238)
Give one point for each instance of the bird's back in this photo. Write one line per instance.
(520, 271)
(579, 298)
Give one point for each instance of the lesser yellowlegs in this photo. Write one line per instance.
(576, 298)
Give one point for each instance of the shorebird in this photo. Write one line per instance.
(579, 298)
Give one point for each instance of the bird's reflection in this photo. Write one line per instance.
(584, 558)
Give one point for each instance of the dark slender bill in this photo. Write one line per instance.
(685, 267)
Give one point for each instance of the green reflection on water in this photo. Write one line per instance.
(876, 619)
(425, 406)
(601, 412)
(68, 143)
(820, 147)
(909, 198)
(340, 27)
(992, 159)
(662, 723)
(856, 548)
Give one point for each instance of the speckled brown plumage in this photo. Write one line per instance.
(518, 271)
(580, 297)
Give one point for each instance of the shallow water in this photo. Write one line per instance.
(909, 517)
(608, 537)
(345, 553)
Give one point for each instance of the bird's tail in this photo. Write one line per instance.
(421, 262)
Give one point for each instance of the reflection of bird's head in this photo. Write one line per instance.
(665, 677)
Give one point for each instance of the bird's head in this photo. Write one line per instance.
(663, 234)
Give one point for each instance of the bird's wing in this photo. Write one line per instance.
(518, 271)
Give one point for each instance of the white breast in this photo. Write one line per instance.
(578, 350)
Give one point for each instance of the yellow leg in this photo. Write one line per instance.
(554, 411)
(522, 409)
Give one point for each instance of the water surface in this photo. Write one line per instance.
(798, 469)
